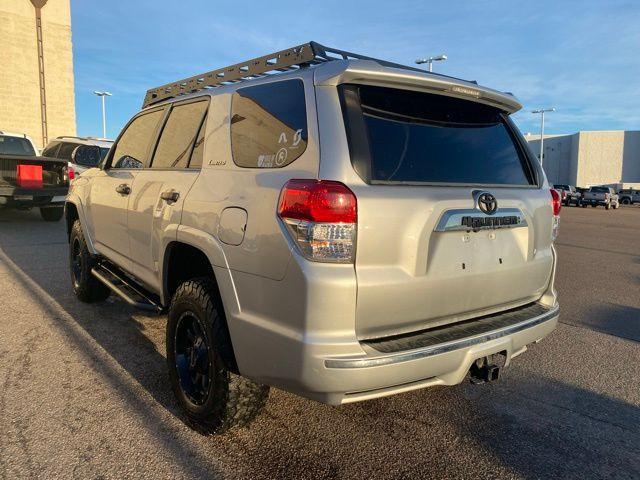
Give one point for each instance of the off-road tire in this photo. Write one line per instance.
(232, 401)
(51, 214)
(86, 287)
(625, 201)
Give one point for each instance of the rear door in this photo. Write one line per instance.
(111, 188)
(452, 220)
(159, 190)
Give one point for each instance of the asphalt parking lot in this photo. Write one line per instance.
(84, 390)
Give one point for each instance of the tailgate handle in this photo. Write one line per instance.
(170, 196)
(123, 189)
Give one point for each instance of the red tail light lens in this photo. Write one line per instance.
(556, 202)
(321, 201)
(321, 217)
(71, 173)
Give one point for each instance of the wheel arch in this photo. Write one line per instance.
(73, 211)
(184, 261)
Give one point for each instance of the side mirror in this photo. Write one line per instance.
(86, 156)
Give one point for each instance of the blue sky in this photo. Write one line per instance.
(581, 57)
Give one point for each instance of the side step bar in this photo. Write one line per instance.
(124, 287)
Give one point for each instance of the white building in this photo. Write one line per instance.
(591, 158)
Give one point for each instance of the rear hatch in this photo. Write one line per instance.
(430, 250)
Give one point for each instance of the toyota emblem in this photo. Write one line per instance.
(487, 203)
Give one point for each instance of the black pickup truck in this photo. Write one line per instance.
(28, 181)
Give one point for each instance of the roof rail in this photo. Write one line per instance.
(311, 53)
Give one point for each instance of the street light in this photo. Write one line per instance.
(104, 117)
(542, 111)
(430, 60)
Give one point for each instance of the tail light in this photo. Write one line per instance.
(556, 204)
(71, 173)
(321, 217)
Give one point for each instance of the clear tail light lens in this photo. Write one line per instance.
(556, 204)
(321, 217)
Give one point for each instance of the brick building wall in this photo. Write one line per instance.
(19, 72)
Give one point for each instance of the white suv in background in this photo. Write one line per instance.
(65, 148)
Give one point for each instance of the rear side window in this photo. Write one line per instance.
(51, 150)
(131, 150)
(198, 147)
(413, 137)
(269, 124)
(66, 149)
(179, 135)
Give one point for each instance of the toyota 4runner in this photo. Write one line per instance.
(340, 227)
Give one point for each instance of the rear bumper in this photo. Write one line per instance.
(373, 375)
(333, 367)
(16, 197)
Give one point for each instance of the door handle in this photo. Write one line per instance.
(123, 189)
(170, 196)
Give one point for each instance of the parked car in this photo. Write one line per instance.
(28, 181)
(579, 193)
(91, 154)
(605, 196)
(629, 196)
(569, 194)
(299, 236)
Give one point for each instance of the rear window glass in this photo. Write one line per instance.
(417, 137)
(269, 124)
(15, 146)
(600, 189)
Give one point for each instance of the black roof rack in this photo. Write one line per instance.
(310, 53)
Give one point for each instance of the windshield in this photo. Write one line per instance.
(16, 146)
(600, 189)
(415, 137)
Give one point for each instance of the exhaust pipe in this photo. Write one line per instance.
(487, 369)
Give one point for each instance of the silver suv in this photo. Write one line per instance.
(336, 226)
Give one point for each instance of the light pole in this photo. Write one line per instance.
(429, 61)
(104, 117)
(542, 111)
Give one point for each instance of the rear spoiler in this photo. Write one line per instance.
(369, 72)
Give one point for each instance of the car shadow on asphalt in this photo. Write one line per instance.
(533, 426)
(613, 319)
(41, 269)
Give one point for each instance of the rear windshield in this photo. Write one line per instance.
(15, 146)
(403, 136)
(600, 189)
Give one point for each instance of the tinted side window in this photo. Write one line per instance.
(66, 149)
(131, 149)
(269, 124)
(178, 135)
(51, 150)
(198, 147)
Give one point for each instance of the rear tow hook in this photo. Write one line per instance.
(487, 369)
